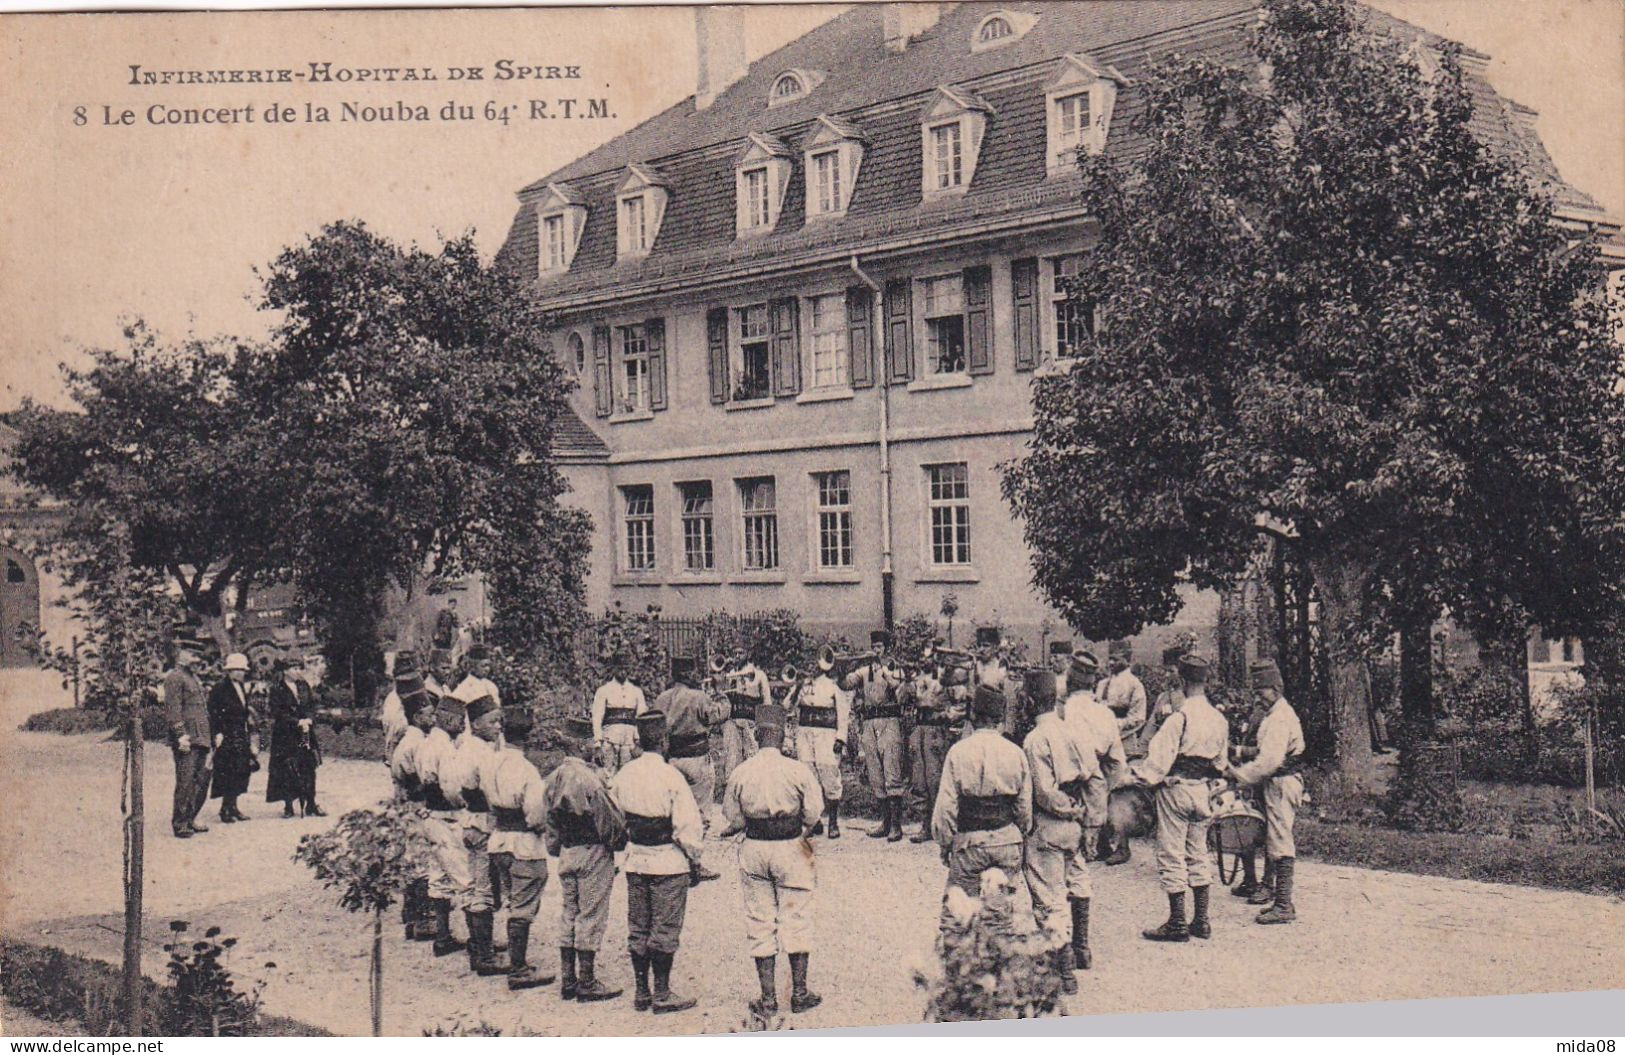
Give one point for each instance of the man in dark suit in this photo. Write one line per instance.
(188, 714)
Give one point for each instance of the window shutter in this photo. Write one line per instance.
(716, 352)
(655, 331)
(860, 336)
(899, 320)
(1024, 296)
(786, 346)
(978, 320)
(602, 393)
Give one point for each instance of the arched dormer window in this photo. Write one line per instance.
(997, 27)
(792, 85)
(1001, 28)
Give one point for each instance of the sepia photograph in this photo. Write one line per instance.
(654, 521)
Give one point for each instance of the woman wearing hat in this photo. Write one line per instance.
(292, 774)
(228, 733)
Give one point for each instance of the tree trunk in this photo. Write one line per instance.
(134, 854)
(1341, 582)
(214, 624)
(376, 976)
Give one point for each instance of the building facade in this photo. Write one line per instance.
(806, 305)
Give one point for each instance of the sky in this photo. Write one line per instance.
(103, 221)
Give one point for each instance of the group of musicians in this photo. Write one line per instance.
(1026, 790)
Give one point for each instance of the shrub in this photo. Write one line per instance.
(69, 721)
(770, 639)
(203, 999)
(638, 636)
(986, 971)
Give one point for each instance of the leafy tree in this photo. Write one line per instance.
(1333, 314)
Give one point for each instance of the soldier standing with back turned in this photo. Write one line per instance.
(882, 716)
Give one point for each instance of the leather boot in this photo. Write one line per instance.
(567, 968)
(1249, 877)
(1174, 928)
(896, 820)
(801, 998)
(1283, 911)
(1118, 841)
(1082, 958)
(590, 989)
(642, 1000)
(884, 831)
(483, 959)
(1264, 893)
(1200, 927)
(767, 1004)
(521, 973)
(924, 834)
(665, 1001)
(833, 810)
(445, 943)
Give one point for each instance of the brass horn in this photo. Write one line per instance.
(716, 665)
(788, 673)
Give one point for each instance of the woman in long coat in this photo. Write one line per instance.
(294, 751)
(228, 731)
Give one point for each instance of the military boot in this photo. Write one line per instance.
(665, 1001)
(1173, 929)
(895, 811)
(643, 999)
(483, 958)
(801, 998)
(445, 943)
(832, 809)
(567, 967)
(1082, 958)
(590, 989)
(1283, 911)
(1264, 893)
(521, 973)
(766, 1005)
(884, 831)
(1200, 927)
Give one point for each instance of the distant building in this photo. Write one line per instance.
(807, 303)
(29, 594)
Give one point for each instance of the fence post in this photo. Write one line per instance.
(76, 670)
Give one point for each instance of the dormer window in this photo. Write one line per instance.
(834, 152)
(1001, 28)
(560, 218)
(1079, 101)
(792, 85)
(787, 87)
(951, 131)
(760, 179)
(640, 206)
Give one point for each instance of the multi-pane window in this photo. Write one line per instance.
(834, 519)
(995, 29)
(760, 526)
(826, 319)
(639, 520)
(947, 160)
(827, 181)
(948, 500)
(577, 352)
(944, 324)
(699, 538)
(553, 238)
(787, 87)
(755, 338)
(756, 198)
(1074, 318)
(1071, 123)
(634, 391)
(634, 232)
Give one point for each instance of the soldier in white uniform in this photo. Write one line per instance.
(775, 802)
(1182, 763)
(882, 732)
(1123, 693)
(473, 768)
(518, 845)
(435, 761)
(1098, 730)
(1057, 872)
(475, 683)
(984, 807)
(405, 678)
(1277, 767)
(823, 717)
(615, 709)
(690, 717)
(750, 689)
(416, 911)
(938, 712)
(665, 837)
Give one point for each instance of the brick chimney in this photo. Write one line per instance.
(720, 33)
(901, 23)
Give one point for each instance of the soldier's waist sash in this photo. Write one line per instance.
(690, 745)
(883, 710)
(935, 717)
(984, 813)
(620, 716)
(648, 831)
(742, 707)
(1293, 765)
(818, 718)
(1073, 789)
(575, 829)
(1190, 767)
(435, 799)
(773, 829)
(474, 801)
(509, 818)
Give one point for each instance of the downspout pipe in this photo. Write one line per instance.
(888, 607)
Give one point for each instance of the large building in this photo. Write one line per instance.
(807, 304)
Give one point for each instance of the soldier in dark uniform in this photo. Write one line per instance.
(187, 711)
(690, 717)
(585, 829)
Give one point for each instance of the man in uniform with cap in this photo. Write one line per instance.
(476, 682)
(441, 672)
(1277, 766)
(1057, 871)
(984, 807)
(749, 689)
(474, 767)
(417, 912)
(1182, 761)
(585, 830)
(823, 717)
(1122, 692)
(1167, 702)
(665, 837)
(187, 712)
(615, 708)
(938, 713)
(882, 731)
(690, 716)
(518, 848)
(1060, 661)
(404, 676)
(1097, 729)
(990, 668)
(775, 802)
(435, 761)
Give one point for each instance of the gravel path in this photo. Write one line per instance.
(1362, 935)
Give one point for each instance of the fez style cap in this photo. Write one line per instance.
(1265, 674)
(481, 706)
(770, 716)
(988, 704)
(652, 724)
(1060, 648)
